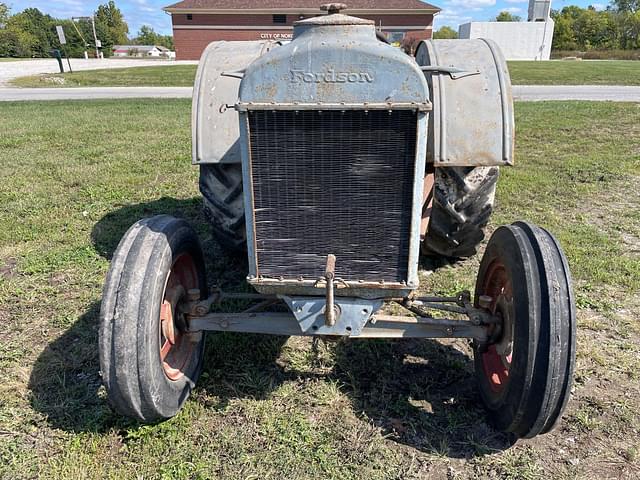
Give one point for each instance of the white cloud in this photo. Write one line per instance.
(599, 6)
(516, 1)
(472, 4)
(512, 10)
(451, 18)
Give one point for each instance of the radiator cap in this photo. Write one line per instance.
(333, 17)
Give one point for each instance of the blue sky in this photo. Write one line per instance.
(140, 12)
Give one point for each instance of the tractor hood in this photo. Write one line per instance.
(335, 59)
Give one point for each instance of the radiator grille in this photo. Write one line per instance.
(333, 182)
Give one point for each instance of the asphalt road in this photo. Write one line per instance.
(533, 93)
(92, 93)
(520, 92)
(22, 68)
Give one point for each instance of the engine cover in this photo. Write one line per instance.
(333, 133)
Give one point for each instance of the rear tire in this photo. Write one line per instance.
(221, 187)
(525, 372)
(463, 200)
(149, 362)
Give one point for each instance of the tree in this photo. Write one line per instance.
(34, 30)
(505, 16)
(148, 36)
(445, 32)
(110, 26)
(628, 6)
(564, 37)
(4, 14)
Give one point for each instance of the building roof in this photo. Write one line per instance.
(298, 5)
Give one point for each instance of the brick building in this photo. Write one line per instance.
(196, 23)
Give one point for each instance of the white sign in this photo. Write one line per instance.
(63, 40)
(276, 36)
(98, 44)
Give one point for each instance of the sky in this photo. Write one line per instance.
(149, 12)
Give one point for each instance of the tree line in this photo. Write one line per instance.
(31, 33)
(584, 29)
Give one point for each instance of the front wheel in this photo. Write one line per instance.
(148, 360)
(525, 371)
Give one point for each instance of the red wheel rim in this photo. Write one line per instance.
(176, 346)
(496, 361)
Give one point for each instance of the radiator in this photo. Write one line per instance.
(337, 182)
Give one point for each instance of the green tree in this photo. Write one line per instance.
(628, 6)
(111, 28)
(564, 37)
(148, 36)
(445, 32)
(4, 14)
(34, 30)
(505, 16)
(629, 29)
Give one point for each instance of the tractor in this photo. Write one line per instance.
(334, 162)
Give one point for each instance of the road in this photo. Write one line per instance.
(23, 68)
(533, 93)
(520, 92)
(92, 93)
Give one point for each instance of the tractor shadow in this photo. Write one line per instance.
(420, 393)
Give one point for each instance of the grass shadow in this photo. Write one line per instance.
(65, 381)
(420, 393)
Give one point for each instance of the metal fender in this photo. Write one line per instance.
(215, 131)
(472, 120)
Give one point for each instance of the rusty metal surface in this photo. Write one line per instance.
(342, 183)
(472, 122)
(379, 326)
(333, 64)
(351, 314)
(427, 203)
(215, 130)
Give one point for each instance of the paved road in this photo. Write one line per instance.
(22, 68)
(534, 93)
(520, 92)
(92, 93)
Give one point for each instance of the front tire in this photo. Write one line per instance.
(525, 371)
(149, 362)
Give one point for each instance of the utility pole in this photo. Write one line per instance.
(95, 37)
(97, 42)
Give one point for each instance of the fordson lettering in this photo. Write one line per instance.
(330, 76)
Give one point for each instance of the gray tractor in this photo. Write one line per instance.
(335, 161)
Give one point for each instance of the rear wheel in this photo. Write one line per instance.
(149, 362)
(221, 187)
(462, 204)
(525, 371)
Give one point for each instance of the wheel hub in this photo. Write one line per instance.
(496, 360)
(176, 344)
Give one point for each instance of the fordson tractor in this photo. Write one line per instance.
(334, 162)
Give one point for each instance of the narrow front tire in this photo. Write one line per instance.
(148, 360)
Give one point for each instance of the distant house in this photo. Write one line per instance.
(142, 51)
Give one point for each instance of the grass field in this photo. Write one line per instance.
(152, 76)
(77, 174)
(588, 72)
(593, 72)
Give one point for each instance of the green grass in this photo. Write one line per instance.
(271, 407)
(566, 72)
(12, 59)
(593, 72)
(151, 76)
